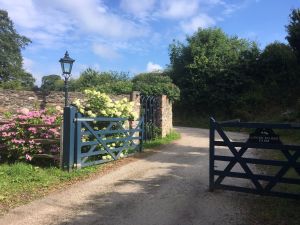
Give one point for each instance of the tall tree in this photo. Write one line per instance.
(279, 73)
(293, 30)
(52, 83)
(11, 44)
(210, 70)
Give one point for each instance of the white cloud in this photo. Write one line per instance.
(152, 67)
(232, 8)
(139, 8)
(28, 64)
(53, 23)
(200, 21)
(179, 9)
(20, 14)
(105, 51)
(93, 16)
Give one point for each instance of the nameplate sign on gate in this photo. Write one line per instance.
(264, 135)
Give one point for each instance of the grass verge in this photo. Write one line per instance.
(21, 183)
(162, 141)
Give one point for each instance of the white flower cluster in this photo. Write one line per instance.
(100, 104)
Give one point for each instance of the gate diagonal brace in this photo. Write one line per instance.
(231, 164)
(238, 158)
(288, 156)
(129, 135)
(292, 159)
(99, 139)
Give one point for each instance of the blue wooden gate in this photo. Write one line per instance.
(263, 138)
(90, 141)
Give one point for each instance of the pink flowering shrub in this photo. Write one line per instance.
(30, 134)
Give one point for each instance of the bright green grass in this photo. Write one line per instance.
(20, 182)
(162, 141)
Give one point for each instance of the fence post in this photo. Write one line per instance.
(211, 153)
(68, 138)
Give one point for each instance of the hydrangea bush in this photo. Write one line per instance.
(99, 104)
(23, 137)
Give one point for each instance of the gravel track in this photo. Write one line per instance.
(169, 187)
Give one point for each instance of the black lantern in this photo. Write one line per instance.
(66, 66)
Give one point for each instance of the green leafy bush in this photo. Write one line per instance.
(156, 84)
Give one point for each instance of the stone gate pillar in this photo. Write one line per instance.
(165, 120)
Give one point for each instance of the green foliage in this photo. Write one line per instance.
(7, 115)
(293, 31)
(208, 69)
(88, 79)
(279, 73)
(52, 83)
(120, 83)
(156, 84)
(116, 87)
(228, 77)
(12, 74)
(106, 82)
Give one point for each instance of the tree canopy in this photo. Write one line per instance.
(227, 76)
(156, 84)
(116, 83)
(293, 31)
(107, 82)
(11, 66)
(207, 69)
(52, 83)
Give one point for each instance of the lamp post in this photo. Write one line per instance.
(66, 67)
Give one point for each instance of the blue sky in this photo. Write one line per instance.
(133, 35)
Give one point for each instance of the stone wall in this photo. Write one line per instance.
(12, 100)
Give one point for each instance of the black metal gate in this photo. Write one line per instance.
(150, 110)
(280, 183)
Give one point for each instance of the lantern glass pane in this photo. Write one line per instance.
(62, 67)
(67, 68)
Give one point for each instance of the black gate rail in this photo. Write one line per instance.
(268, 141)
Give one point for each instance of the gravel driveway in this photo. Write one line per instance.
(169, 187)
